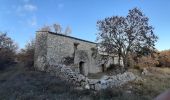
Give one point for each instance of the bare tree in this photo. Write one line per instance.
(67, 31)
(45, 28)
(57, 28)
(126, 35)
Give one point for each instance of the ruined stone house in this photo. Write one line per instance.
(52, 48)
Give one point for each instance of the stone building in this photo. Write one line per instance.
(52, 48)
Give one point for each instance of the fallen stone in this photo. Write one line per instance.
(145, 71)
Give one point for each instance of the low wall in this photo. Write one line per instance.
(79, 80)
(111, 81)
(67, 74)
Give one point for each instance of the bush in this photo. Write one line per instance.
(159, 59)
(7, 50)
(164, 59)
(26, 55)
(147, 61)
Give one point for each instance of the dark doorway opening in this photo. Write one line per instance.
(103, 68)
(81, 68)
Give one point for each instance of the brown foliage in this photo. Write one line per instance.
(164, 58)
(159, 59)
(147, 61)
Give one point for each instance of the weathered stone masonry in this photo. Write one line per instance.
(51, 49)
(40, 55)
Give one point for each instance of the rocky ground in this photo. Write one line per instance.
(19, 83)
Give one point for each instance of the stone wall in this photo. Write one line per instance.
(111, 81)
(52, 48)
(40, 55)
(59, 46)
(83, 56)
(65, 73)
(79, 80)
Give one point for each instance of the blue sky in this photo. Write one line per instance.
(22, 18)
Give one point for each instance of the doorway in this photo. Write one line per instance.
(81, 68)
(103, 68)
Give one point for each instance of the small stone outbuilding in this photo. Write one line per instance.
(52, 48)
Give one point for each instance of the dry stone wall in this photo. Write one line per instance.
(79, 80)
(40, 54)
(111, 81)
(67, 74)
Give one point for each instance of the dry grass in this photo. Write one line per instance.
(22, 84)
(19, 83)
(152, 85)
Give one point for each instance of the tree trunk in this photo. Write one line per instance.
(125, 61)
(119, 60)
(119, 54)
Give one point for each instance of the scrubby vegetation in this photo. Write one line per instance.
(26, 55)
(7, 50)
(18, 82)
(164, 58)
(157, 59)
